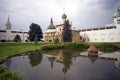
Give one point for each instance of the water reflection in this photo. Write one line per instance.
(65, 57)
(35, 58)
(93, 58)
(51, 58)
(63, 65)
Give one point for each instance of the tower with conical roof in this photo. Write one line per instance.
(51, 26)
(8, 24)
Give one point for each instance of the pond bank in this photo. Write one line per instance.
(11, 49)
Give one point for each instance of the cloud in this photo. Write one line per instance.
(80, 12)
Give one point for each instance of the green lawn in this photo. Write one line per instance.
(11, 49)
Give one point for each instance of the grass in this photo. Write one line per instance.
(11, 49)
(7, 75)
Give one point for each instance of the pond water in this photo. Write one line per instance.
(62, 65)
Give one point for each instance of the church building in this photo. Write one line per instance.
(54, 32)
(8, 34)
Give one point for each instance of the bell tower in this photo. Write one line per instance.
(8, 24)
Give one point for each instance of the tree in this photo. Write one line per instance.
(67, 35)
(36, 39)
(17, 38)
(35, 29)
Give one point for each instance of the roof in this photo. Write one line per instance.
(92, 48)
(64, 16)
(51, 26)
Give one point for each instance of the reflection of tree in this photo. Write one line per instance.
(35, 58)
(67, 56)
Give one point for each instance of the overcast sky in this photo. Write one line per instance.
(82, 13)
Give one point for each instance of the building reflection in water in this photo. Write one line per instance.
(51, 58)
(93, 58)
(65, 57)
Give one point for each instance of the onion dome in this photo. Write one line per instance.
(64, 16)
(51, 26)
(117, 13)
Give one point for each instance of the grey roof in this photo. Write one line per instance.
(51, 26)
(64, 16)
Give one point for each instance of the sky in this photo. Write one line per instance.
(82, 13)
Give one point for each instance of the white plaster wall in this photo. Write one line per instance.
(107, 35)
(10, 36)
(2, 35)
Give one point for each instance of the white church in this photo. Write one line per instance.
(108, 33)
(8, 34)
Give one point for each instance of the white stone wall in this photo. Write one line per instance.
(2, 36)
(8, 35)
(105, 35)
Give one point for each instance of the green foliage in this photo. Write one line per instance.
(80, 46)
(52, 46)
(107, 47)
(17, 38)
(35, 29)
(67, 34)
(7, 75)
(56, 40)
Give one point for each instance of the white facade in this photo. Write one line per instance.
(108, 33)
(8, 34)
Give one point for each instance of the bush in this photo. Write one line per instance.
(56, 40)
(52, 46)
(106, 47)
(80, 46)
(7, 75)
(17, 38)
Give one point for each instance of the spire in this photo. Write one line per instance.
(51, 21)
(8, 24)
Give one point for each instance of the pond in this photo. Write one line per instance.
(62, 65)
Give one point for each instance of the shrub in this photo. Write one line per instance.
(52, 46)
(7, 75)
(56, 40)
